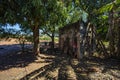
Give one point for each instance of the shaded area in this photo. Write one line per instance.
(43, 71)
(11, 56)
(13, 48)
(8, 49)
(63, 67)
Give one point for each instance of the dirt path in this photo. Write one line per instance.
(58, 67)
(66, 68)
(17, 66)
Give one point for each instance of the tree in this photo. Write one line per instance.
(51, 32)
(30, 14)
(20, 11)
(55, 18)
(113, 31)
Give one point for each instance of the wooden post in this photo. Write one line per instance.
(78, 46)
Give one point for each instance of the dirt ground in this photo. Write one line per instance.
(18, 66)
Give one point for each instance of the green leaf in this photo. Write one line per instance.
(104, 17)
(106, 8)
(117, 1)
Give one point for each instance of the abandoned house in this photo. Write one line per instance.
(76, 39)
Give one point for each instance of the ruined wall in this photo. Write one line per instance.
(69, 39)
(80, 40)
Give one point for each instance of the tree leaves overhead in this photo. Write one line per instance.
(117, 2)
(52, 12)
(108, 7)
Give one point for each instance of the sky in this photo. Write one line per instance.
(16, 27)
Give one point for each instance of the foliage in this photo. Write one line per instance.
(31, 13)
(108, 7)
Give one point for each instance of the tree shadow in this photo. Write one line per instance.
(115, 75)
(80, 70)
(60, 62)
(43, 71)
(14, 58)
(108, 63)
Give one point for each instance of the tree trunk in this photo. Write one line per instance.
(118, 43)
(60, 40)
(111, 33)
(52, 37)
(36, 39)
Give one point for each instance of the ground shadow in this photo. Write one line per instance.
(59, 62)
(11, 56)
(108, 63)
(59, 66)
(62, 64)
